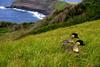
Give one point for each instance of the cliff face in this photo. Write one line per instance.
(42, 6)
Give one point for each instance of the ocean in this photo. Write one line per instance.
(17, 15)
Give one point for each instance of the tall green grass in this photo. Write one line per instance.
(4, 30)
(44, 50)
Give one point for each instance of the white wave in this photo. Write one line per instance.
(19, 9)
(2, 7)
(37, 14)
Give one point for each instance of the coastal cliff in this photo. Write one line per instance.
(42, 6)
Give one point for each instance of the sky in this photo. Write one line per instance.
(73, 0)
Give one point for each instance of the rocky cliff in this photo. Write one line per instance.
(42, 6)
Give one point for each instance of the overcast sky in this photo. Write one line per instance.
(72, 0)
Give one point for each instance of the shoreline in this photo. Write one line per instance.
(40, 16)
(29, 9)
(36, 13)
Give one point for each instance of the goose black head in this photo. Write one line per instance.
(74, 35)
(80, 42)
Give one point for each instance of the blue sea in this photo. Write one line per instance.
(17, 15)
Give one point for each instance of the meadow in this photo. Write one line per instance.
(44, 50)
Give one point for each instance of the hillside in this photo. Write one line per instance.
(42, 6)
(44, 50)
(68, 15)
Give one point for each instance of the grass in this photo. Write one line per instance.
(3, 30)
(60, 5)
(44, 50)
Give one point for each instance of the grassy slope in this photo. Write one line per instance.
(44, 49)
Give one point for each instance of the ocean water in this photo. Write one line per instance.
(17, 15)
